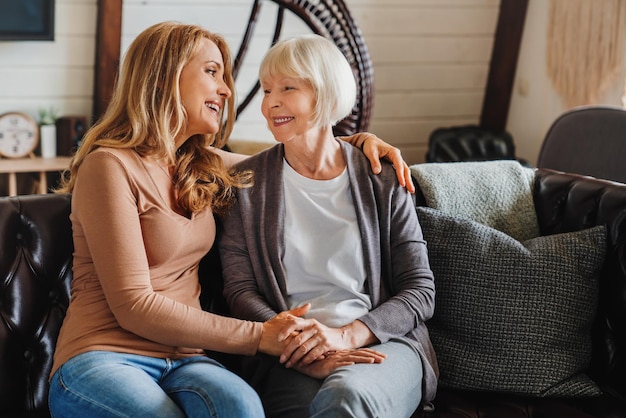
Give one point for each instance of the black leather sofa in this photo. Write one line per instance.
(35, 272)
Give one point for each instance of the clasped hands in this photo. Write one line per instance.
(313, 348)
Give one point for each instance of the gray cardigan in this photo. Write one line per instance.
(399, 280)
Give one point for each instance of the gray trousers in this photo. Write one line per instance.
(390, 389)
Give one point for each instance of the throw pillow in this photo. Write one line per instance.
(495, 193)
(511, 316)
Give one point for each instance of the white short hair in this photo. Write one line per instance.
(318, 61)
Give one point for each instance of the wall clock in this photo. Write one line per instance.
(19, 135)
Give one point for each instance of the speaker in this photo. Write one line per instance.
(70, 132)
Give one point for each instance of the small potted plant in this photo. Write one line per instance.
(48, 132)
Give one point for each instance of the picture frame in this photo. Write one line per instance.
(27, 20)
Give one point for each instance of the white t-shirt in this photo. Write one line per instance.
(323, 250)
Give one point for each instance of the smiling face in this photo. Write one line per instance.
(203, 90)
(288, 107)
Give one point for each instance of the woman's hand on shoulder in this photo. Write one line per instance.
(376, 149)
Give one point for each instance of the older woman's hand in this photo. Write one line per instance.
(315, 339)
(321, 368)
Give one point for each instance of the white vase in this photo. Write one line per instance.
(48, 141)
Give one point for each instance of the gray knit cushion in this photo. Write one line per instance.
(511, 316)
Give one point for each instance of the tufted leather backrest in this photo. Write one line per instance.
(35, 272)
(569, 202)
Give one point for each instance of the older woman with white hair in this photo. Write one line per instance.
(319, 228)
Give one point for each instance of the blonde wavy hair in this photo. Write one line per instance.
(146, 114)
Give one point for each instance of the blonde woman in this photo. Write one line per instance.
(145, 184)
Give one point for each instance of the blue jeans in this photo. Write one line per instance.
(107, 384)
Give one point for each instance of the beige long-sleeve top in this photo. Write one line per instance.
(135, 287)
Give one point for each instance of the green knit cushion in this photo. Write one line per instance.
(511, 316)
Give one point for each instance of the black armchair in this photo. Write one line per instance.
(588, 140)
(469, 143)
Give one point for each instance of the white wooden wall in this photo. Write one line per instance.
(430, 59)
(43, 74)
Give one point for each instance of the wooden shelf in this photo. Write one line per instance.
(32, 165)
